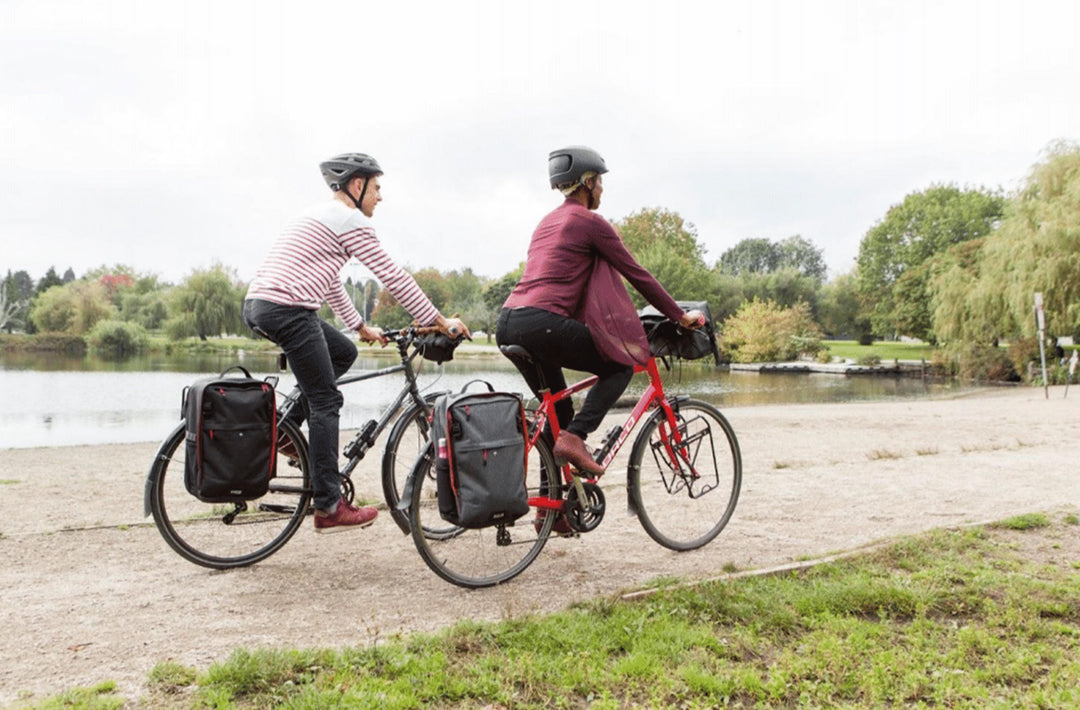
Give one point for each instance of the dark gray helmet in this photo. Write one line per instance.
(567, 165)
(341, 168)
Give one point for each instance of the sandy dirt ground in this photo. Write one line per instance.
(89, 591)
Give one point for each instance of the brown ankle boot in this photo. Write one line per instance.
(572, 448)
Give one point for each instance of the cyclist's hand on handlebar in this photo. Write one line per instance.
(453, 327)
(692, 320)
(371, 334)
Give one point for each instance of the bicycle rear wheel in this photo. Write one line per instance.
(225, 535)
(488, 556)
(685, 494)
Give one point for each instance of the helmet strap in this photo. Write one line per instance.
(358, 201)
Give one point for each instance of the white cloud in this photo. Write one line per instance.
(168, 137)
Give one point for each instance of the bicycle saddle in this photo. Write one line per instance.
(516, 352)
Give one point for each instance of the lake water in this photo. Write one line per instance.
(48, 400)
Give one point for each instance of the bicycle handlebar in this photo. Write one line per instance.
(404, 337)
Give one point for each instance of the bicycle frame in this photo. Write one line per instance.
(365, 438)
(653, 396)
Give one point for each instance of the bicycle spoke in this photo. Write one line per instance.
(686, 491)
(487, 556)
(220, 535)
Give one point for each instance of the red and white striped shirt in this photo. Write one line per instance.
(303, 268)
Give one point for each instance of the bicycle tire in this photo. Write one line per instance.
(676, 511)
(204, 533)
(485, 557)
(407, 439)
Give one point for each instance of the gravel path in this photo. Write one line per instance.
(90, 592)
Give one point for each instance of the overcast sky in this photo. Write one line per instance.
(168, 136)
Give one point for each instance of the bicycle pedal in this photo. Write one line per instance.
(586, 477)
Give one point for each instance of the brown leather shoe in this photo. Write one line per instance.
(571, 447)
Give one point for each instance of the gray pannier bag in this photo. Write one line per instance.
(480, 457)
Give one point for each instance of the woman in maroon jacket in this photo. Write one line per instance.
(570, 308)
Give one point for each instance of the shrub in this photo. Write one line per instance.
(866, 339)
(44, 342)
(1022, 351)
(116, 338)
(761, 331)
(982, 363)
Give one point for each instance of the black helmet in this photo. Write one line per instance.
(338, 170)
(567, 165)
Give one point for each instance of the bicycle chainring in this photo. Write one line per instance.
(583, 518)
(348, 491)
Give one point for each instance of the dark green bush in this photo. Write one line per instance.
(115, 338)
(1022, 351)
(979, 363)
(44, 342)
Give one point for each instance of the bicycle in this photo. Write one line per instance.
(222, 536)
(683, 482)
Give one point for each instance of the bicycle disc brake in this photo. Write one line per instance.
(584, 516)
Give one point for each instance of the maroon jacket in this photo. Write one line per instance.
(572, 269)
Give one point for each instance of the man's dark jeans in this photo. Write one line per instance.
(318, 354)
(556, 342)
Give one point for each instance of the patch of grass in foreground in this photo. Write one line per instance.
(950, 618)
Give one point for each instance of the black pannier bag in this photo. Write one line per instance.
(480, 457)
(230, 448)
(668, 339)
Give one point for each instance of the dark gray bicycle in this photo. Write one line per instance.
(225, 535)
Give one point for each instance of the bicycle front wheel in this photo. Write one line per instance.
(684, 493)
(487, 556)
(225, 535)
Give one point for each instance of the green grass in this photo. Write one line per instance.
(1028, 521)
(99, 697)
(957, 618)
(886, 351)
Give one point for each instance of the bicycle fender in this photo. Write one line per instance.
(424, 459)
(148, 489)
(151, 479)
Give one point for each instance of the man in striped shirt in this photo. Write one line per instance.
(302, 270)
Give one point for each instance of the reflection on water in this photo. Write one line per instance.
(50, 400)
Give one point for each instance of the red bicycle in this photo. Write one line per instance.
(683, 482)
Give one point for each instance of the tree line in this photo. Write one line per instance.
(953, 266)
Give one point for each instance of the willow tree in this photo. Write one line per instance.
(962, 308)
(1035, 249)
(207, 304)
